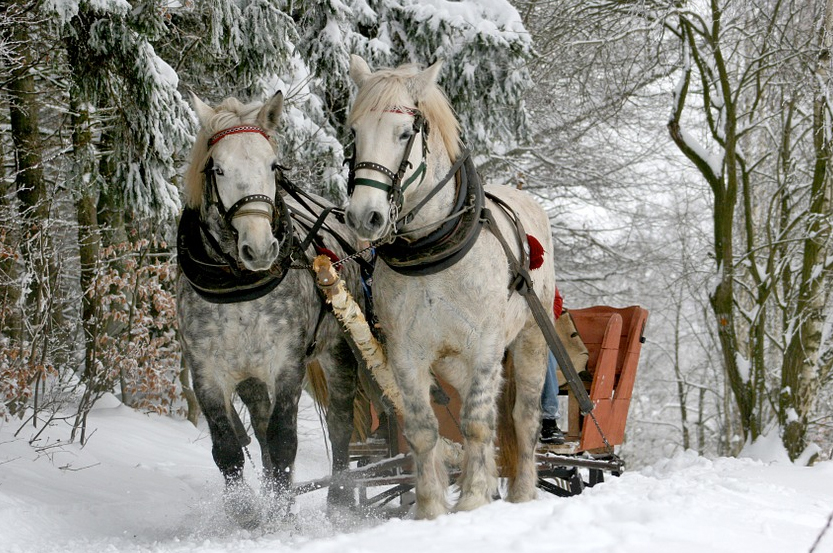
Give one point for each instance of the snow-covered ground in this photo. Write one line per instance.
(148, 484)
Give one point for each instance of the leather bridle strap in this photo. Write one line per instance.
(214, 194)
(396, 187)
(236, 130)
(409, 216)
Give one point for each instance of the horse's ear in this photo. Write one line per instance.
(359, 70)
(204, 111)
(420, 83)
(270, 114)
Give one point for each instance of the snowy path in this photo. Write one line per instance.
(147, 484)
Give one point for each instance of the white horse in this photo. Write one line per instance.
(444, 290)
(249, 322)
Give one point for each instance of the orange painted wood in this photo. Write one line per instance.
(614, 341)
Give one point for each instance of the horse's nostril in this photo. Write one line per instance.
(273, 250)
(375, 220)
(351, 220)
(246, 253)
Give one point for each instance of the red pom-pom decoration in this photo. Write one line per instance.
(536, 252)
(321, 250)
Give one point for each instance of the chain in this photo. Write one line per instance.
(353, 256)
(341, 261)
(608, 447)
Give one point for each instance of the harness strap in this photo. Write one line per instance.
(316, 226)
(408, 217)
(376, 167)
(322, 312)
(235, 130)
(452, 239)
(301, 196)
(522, 283)
(231, 262)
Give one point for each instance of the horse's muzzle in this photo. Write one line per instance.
(369, 224)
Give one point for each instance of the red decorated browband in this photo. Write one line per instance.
(235, 130)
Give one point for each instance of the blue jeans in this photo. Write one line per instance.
(549, 395)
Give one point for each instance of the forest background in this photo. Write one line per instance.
(682, 150)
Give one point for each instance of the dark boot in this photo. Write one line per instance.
(550, 433)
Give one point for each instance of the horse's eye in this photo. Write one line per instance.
(218, 171)
(406, 135)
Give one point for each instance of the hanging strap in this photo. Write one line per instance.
(522, 283)
(300, 196)
(409, 216)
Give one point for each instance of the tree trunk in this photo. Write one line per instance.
(800, 376)
(29, 180)
(682, 392)
(10, 325)
(89, 241)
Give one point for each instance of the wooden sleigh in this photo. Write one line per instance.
(613, 338)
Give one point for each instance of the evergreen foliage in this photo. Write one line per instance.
(119, 129)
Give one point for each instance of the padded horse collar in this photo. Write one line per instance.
(223, 282)
(453, 239)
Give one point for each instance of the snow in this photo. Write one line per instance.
(743, 365)
(67, 9)
(145, 483)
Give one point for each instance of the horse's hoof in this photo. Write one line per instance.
(241, 506)
(429, 511)
(471, 502)
(340, 497)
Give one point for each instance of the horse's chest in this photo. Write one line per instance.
(433, 309)
(250, 339)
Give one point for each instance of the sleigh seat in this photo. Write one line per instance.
(613, 338)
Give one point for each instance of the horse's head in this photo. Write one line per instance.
(390, 120)
(232, 178)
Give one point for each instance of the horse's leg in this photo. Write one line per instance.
(341, 383)
(530, 364)
(421, 431)
(282, 432)
(255, 395)
(478, 418)
(239, 500)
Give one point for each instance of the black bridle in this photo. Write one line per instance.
(397, 187)
(212, 193)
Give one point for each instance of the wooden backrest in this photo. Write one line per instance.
(592, 324)
(614, 340)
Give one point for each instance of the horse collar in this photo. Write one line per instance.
(225, 282)
(452, 240)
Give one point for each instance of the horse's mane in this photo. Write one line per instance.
(386, 87)
(228, 114)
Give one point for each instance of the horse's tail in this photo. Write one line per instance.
(317, 384)
(506, 435)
